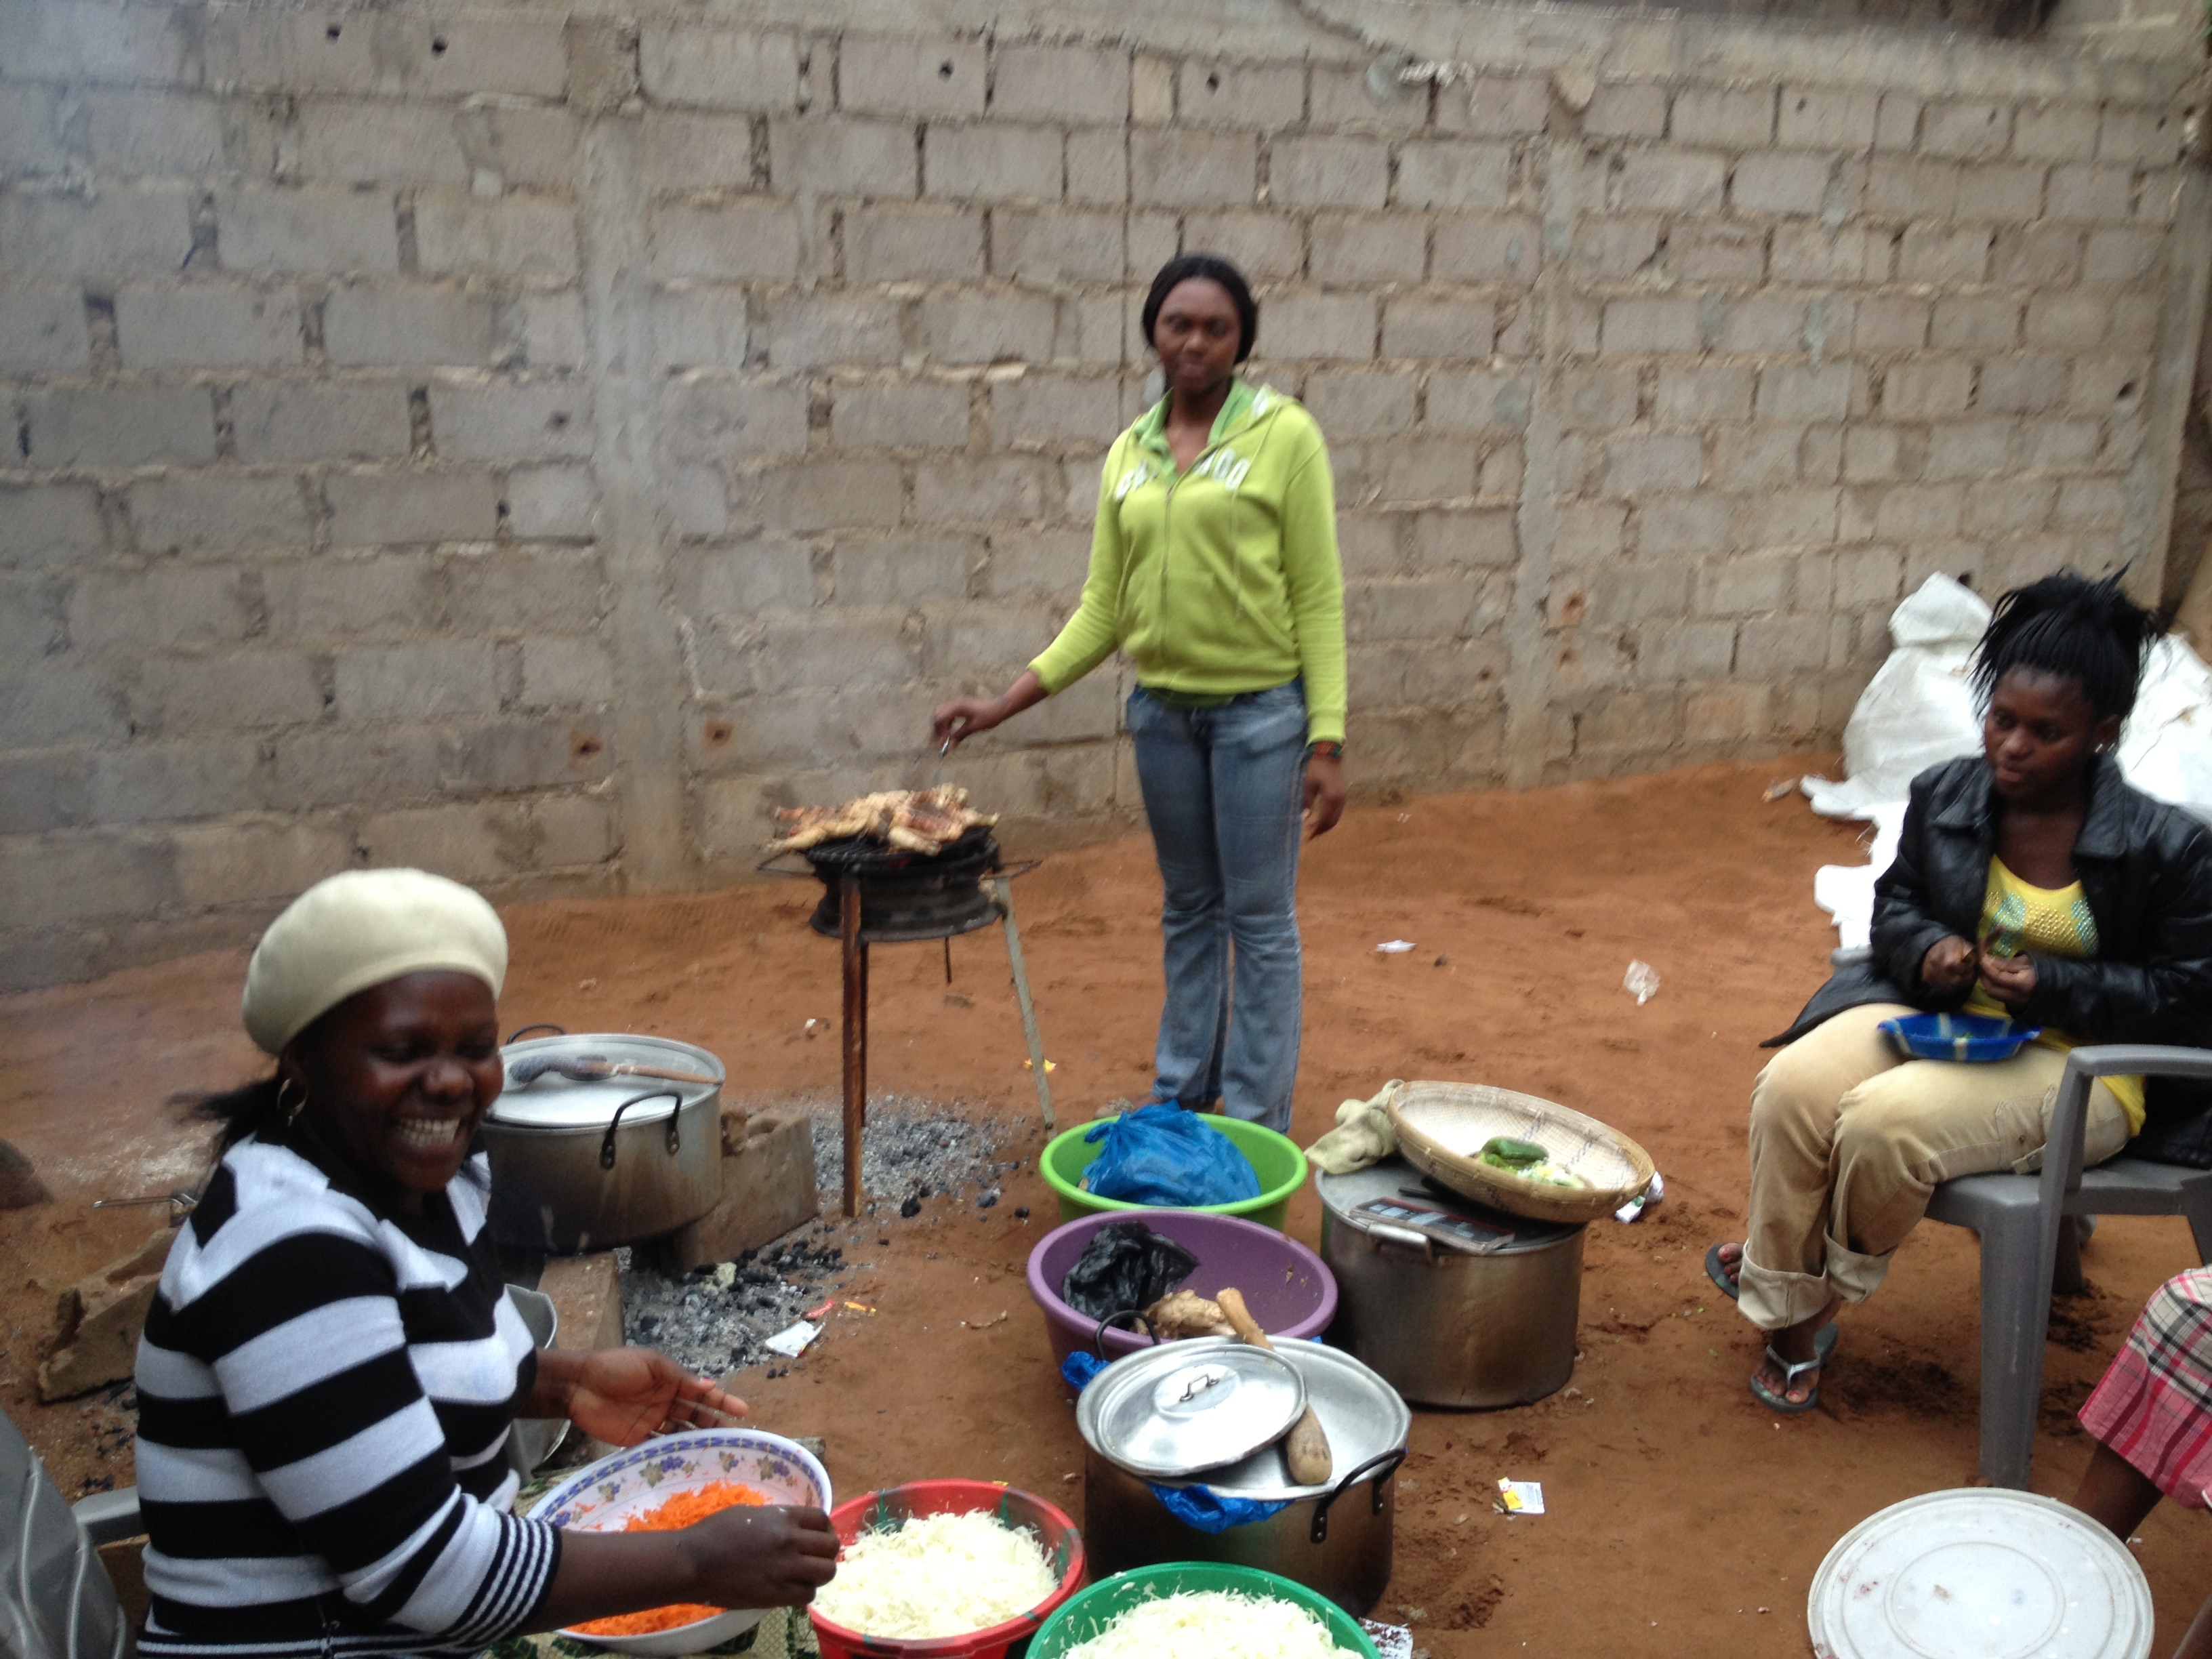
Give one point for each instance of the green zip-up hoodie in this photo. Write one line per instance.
(1221, 579)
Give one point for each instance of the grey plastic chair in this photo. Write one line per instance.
(56, 1600)
(2020, 1220)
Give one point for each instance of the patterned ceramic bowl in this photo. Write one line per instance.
(603, 1496)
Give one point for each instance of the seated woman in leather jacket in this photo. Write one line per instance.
(2031, 882)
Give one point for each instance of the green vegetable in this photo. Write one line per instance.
(1503, 1153)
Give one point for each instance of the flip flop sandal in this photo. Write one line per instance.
(1780, 1403)
(1717, 1271)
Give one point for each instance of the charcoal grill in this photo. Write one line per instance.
(875, 894)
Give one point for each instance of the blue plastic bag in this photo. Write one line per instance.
(1163, 1155)
(1210, 1511)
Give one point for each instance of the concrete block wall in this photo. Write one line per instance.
(533, 445)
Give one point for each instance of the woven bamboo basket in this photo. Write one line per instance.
(1443, 1126)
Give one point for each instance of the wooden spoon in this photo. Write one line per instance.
(1305, 1449)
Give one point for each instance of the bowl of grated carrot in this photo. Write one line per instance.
(676, 1480)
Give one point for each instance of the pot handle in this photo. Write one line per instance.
(516, 1036)
(1098, 1337)
(675, 1139)
(1382, 1466)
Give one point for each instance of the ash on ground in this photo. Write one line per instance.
(716, 1320)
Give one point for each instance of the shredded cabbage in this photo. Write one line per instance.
(1211, 1625)
(938, 1575)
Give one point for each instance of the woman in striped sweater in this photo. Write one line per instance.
(331, 1368)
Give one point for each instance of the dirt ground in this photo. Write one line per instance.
(1684, 1518)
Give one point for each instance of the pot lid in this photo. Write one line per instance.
(1366, 1199)
(1184, 1407)
(550, 1100)
(1979, 1573)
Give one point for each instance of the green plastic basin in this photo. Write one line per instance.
(1089, 1613)
(1275, 1159)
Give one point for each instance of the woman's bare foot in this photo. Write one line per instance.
(1731, 1261)
(1797, 1344)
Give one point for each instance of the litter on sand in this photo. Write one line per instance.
(1519, 1498)
(792, 1340)
(1391, 1641)
(1633, 1210)
(1641, 981)
(1395, 947)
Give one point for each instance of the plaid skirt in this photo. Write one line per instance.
(2153, 1405)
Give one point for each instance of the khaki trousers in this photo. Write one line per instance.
(1848, 1138)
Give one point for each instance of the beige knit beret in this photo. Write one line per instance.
(358, 929)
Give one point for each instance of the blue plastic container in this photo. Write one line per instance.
(1974, 1038)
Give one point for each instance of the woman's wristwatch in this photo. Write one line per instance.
(1333, 750)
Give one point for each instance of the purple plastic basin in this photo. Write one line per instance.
(1289, 1288)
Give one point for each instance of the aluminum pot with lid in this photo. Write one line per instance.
(1335, 1539)
(1477, 1309)
(586, 1164)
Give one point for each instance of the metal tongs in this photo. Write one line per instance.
(182, 1202)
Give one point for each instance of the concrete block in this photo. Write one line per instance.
(42, 705)
(147, 782)
(1329, 172)
(1098, 166)
(1027, 564)
(374, 141)
(701, 328)
(849, 651)
(905, 570)
(1048, 409)
(233, 863)
(1897, 122)
(1358, 403)
(1420, 325)
(1697, 526)
(1265, 246)
(1803, 392)
(817, 331)
(2008, 192)
(417, 682)
(1968, 129)
(1726, 118)
(390, 508)
(842, 156)
(1060, 84)
(1303, 324)
(1965, 322)
(204, 325)
(736, 242)
(490, 841)
(2120, 257)
(1812, 253)
(1788, 517)
(912, 244)
(180, 696)
(1630, 594)
(714, 420)
(2142, 137)
(1179, 169)
(1827, 117)
(2059, 442)
(1454, 172)
(1773, 646)
(1425, 608)
(1670, 181)
(566, 674)
(903, 75)
(49, 525)
(98, 1320)
(1266, 96)
(515, 236)
(899, 415)
(1697, 396)
(586, 1293)
(119, 427)
(1653, 463)
(1480, 401)
(552, 501)
(2023, 385)
(686, 151)
(984, 491)
(1589, 533)
(2055, 132)
(823, 496)
(1652, 324)
(1781, 182)
(1891, 323)
(992, 163)
(72, 42)
(1969, 449)
(2090, 502)
(720, 68)
(977, 327)
(1745, 585)
(1490, 107)
(767, 1188)
(1714, 251)
(1928, 388)
(1919, 512)
(1052, 246)
(1486, 248)
(511, 421)
(215, 512)
(552, 330)
(1764, 322)
(1944, 254)
(1874, 454)
(1358, 250)
(1687, 651)
(738, 582)
(1616, 248)
(123, 231)
(2009, 506)
(392, 596)
(1903, 187)
(1152, 90)
(307, 232)
(332, 421)
(42, 329)
(165, 608)
(1627, 110)
(2041, 256)
(974, 641)
(1597, 399)
(411, 326)
(2080, 190)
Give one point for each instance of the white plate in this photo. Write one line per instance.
(1979, 1573)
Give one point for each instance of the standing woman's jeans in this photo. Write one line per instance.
(1224, 789)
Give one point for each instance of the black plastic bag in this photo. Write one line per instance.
(1126, 1265)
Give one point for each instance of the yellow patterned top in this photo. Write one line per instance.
(2019, 919)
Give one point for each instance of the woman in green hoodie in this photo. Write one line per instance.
(1214, 566)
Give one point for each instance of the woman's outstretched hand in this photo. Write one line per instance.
(1324, 802)
(963, 717)
(1948, 967)
(761, 1558)
(623, 1395)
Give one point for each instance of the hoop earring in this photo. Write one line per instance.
(291, 1113)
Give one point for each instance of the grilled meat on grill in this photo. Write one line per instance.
(918, 820)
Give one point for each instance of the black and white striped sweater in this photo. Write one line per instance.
(324, 1396)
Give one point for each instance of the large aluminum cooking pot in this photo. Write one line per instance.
(1333, 1539)
(586, 1165)
(1447, 1326)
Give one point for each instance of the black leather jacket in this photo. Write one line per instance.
(2146, 869)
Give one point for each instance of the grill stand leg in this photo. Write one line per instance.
(1005, 890)
(856, 1034)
